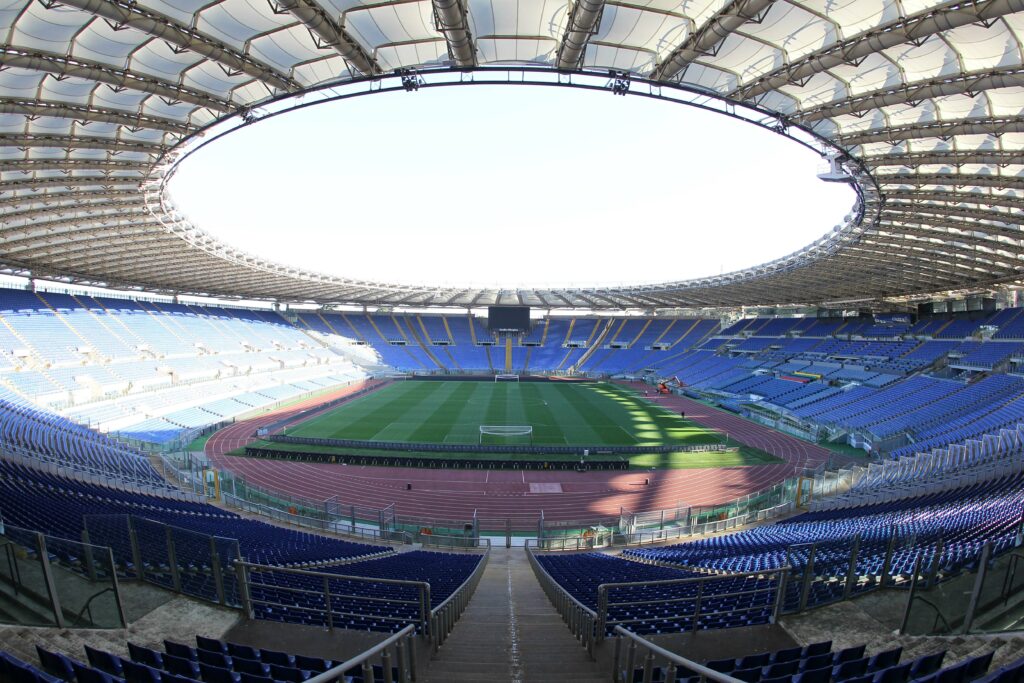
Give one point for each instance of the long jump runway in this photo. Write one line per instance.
(455, 494)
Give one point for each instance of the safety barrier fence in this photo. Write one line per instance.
(685, 600)
(337, 600)
(181, 560)
(926, 482)
(986, 601)
(805, 487)
(57, 582)
(330, 600)
(1006, 452)
(112, 477)
(444, 616)
(635, 653)
(399, 667)
(581, 620)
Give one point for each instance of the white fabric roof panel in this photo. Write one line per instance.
(928, 95)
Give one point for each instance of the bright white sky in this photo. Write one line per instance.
(491, 185)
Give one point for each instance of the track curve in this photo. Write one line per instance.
(455, 494)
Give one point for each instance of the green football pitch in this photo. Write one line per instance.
(560, 413)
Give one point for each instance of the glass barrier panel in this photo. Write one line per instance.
(193, 553)
(114, 532)
(84, 580)
(24, 597)
(151, 538)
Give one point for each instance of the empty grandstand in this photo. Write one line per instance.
(216, 467)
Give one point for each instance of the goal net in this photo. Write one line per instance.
(506, 434)
(506, 378)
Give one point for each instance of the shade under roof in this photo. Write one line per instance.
(925, 97)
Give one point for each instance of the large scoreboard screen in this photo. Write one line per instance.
(508, 318)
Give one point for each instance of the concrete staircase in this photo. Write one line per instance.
(511, 632)
(858, 621)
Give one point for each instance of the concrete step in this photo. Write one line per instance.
(511, 632)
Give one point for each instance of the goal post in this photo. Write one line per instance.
(506, 377)
(506, 434)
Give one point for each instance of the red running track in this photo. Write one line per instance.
(454, 494)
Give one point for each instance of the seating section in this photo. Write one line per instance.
(209, 660)
(156, 371)
(946, 529)
(822, 663)
(298, 599)
(662, 608)
(160, 371)
(57, 506)
(216, 661)
(41, 435)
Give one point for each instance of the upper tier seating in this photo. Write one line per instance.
(57, 505)
(960, 521)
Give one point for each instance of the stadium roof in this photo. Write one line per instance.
(99, 98)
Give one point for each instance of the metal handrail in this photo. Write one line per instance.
(581, 620)
(548, 576)
(422, 587)
(336, 672)
(605, 589)
(444, 616)
(938, 612)
(88, 606)
(427, 541)
(675, 661)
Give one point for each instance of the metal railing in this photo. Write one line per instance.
(581, 620)
(403, 663)
(316, 589)
(640, 650)
(444, 616)
(690, 607)
(968, 603)
(181, 560)
(58, 581)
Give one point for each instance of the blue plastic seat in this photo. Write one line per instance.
(179, 650)
(821, 648)
(181, 666)
(850, 669)
(823, 675)
(144, 655)
(278, 658)
(249, 666)
(139, 673)
(216, 674)
(210, 644)
(56, 664)
(899, 673)
(926, 665)
(245, 652)
(104, 661)
(212, 658)
(883, 660)
(87, 674)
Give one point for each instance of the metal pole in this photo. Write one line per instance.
(51, 587)
(242, 577)
(327, 604)
(805, 592)
(87, 558)
(910, 595)
(851, 572)
(218, 577)
(140, 572)
(979, 583)
(933, 571)
(172, 560)
(887, 563)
